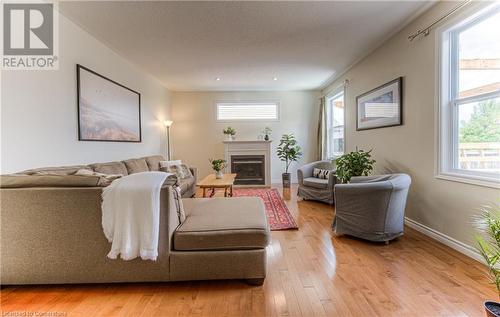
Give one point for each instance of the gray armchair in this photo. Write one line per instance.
(372, 207)
(315, 188)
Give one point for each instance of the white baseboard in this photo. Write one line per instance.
(444, 239)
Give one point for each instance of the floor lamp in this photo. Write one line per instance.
(167, 124)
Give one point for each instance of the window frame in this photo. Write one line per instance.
(252, 102)
(330, 96)
(448, 100)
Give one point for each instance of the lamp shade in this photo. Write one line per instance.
(168, 123)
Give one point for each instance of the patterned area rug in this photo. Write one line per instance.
(278, 215)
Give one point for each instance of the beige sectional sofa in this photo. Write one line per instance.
(53, 235)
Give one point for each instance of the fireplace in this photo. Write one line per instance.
(250, 160)
(250, 169)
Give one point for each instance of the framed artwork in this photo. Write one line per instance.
(380, 107)
(107, 110)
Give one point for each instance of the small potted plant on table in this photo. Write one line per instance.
(229, 132)
(488, 245)
(218, 165)
(358, 163)
(288, 151)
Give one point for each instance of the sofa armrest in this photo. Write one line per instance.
(304, 172)
(332, 179)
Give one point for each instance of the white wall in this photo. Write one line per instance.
(441, 205)
(197, 136)
(39, 108)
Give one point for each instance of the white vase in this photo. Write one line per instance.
(219, 174)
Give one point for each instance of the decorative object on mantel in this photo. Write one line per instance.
(288, 151)
(229, 132)
(107, 110)
(168, 124)
(218, 165)
(357, 163)
(278, 215)
(488, 245)
(380, 107)
(267, 131)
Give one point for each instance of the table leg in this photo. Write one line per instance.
(225, 191)
(203, 192)
(231, 191)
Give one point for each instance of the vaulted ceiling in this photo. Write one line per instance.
(242, 45)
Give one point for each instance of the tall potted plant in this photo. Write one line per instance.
(357, 163)
(488, 245)
(288, 151)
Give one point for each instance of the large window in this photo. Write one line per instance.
(247, 111)
(470, 99)
(335, 124)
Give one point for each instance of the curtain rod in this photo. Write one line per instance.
(425, 31)
(344, 84)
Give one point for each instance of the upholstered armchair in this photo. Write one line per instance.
(316, 188)
(372, 207)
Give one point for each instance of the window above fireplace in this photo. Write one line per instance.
(247, 111)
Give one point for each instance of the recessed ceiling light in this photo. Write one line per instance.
(275, 78)
(217, 78)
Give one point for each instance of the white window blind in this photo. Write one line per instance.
(240, 111)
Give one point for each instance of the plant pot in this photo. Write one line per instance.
(286, 180)
(219, 174)
(492, 308)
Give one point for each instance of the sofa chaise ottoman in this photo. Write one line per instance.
(54, 235)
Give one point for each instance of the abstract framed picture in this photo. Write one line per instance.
(107, 110)
(380, 107)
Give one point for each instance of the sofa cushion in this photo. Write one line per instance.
(110, 168)
(316, 182)
(60, 170)
(222, 224)
(186, 183)
(136, 165)
(154, 162)
(25, 181)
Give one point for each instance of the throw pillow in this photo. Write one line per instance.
(322, 174)
(181, 170)
(169, 163)
(178, 204)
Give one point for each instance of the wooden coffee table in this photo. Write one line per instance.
(211, 183)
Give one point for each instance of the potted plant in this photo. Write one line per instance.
(358, 163)
(288, 151)
(267, 131)
(218, 165)
(488, 245)
(230, 133)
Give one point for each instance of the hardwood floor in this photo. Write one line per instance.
(310, 273)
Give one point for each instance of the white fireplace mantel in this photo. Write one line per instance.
(249, 147)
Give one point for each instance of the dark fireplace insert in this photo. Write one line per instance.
(250, 169)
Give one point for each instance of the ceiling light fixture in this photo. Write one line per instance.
(275, 78)
(217, 78)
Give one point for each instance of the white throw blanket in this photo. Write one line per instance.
(131, 215)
